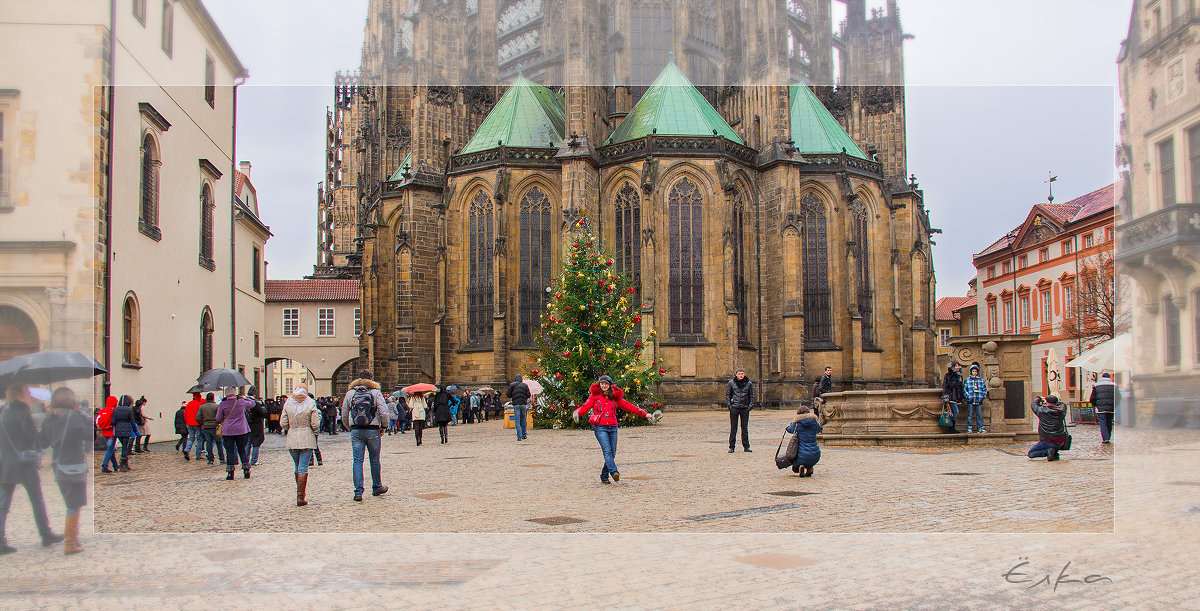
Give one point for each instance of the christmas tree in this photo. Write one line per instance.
(591, 328)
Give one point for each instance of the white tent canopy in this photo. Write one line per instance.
(1113, 355)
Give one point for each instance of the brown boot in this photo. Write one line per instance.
(71, 536)
(301, 484)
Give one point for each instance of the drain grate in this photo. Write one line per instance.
(742, 512)
(556, 520)
(791, 493)
(959, 473)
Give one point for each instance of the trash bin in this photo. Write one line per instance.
(510, 419)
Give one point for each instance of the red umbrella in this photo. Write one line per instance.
(422, 387)
(535, 387)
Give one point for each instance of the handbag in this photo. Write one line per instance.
(782, 461)
(69, 470)
(947, 417)
(27, 458)
(1066, 445)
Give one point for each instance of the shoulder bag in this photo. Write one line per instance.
(71, 471)
(947, 417)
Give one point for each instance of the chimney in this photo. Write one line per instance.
(245, 168)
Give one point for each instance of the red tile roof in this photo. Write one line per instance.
(945, 307)
(969, 303)
(313, 290)
(1096, 202)
(1082, 207)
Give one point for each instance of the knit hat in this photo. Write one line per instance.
(1052, 399)
(974, 368)
(605, 378)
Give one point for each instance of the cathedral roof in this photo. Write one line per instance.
(814, 130)
(527, 115)
(405, 167)
(672, 107)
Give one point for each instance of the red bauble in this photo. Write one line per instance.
(637, 344)
(637, 318)
(608, 262)
(567, 354)
(558, 376)
(608, 288)
(534, 372)
(660, 372)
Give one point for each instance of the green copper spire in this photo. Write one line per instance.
(527, 115)
(814, 130)
(405, 167)
(672, 107)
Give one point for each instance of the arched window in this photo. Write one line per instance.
(131, 331)
(628, 207)
(18, 334)
(206, 227)
(206, 340)
(518, 32)
(739, 265)
(1171, 332)
(480, 284)
(866, 296)
(535, 262)
(818, 310)
(148, 219)
(686, 285)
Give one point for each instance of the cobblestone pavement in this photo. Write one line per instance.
(884, 528)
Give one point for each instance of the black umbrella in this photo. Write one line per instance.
(222, 378)
(203, 388)
(48, 367)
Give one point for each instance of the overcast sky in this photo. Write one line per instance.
(1000, 94)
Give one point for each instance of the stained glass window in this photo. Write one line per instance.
(536, 234)
(866, 296)
(739, 265)
(628, 207)
(480, 283)
(818, 315)
(686, 284)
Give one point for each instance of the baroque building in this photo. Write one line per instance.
(764, 213)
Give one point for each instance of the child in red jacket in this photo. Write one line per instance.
(603, 401)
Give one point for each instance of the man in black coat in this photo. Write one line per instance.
(739, 398)
(1105, 399)
(518, 391)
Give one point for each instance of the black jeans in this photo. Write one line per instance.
(33, 488)
(734, 416)
(442, 430)
(237, 447)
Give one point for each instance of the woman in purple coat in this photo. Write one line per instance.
(235, 430)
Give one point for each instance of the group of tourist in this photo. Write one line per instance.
(235, 428)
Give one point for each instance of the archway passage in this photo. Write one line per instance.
(18, 334)
(344, 375)
(284, 374)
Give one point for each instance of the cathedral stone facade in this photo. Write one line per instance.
(764, 215)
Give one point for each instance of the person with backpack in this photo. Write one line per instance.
(364, 412)
(603, 400)
(806, 428)
(104, 423)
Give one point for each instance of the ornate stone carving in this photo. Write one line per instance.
(500, 193)
(479, 99)
(441, 95)
(649, 174)
(878, 99)
(725, 176)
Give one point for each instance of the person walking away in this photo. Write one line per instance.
(518, 391)
(952, 392)
(301, 421)
(104, 423)
(256, 418)
(442, 412)
(195, 437)
(806, 428)
(20, 459)
(1105, 399)
(975, 391)
(181, 425)
(123, 425)
(1052, 428)
(206, 416)
(67, 430)
(235, 430)
(419, 410)
(364, 412)
(141, 419)
(474, 415)
(393, 416)
(603, 401)
(739, 398)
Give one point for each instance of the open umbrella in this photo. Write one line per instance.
(485, 389)
(41, 394)
(452, 387)
(422, 387)
(223, 378)
(48, 367)
(202, 388)
(535, 387)
(1113, 355)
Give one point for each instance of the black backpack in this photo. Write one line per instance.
(362, 407)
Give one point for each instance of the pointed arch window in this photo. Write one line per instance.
(148, 219)
(206, 340)
(1171, 332)
(628, 206)
(131, 331)
(535, 262)
(686, 284)
(818, 310)
(866, 296)
(206, 227)
(480, 283)
(738, 238)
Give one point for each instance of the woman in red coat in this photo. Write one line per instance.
(603, 403)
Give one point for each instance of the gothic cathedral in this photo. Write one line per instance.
(743, 161)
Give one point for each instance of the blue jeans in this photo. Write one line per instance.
(521, 413)
(975, 411)
(1042, 448)
(302, 458)
(210, 440)
(1105, 419)
(365, 439)
(110, 449)
(254, 454)
(193, 439)
(607, 436)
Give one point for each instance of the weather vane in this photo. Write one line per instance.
(1051, 183)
